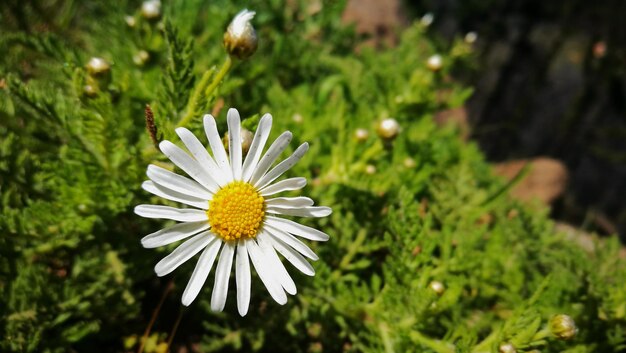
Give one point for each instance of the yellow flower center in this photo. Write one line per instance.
(236, 211)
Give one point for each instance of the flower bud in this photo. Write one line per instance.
(370, 169)
(471, 37)
(297, 118)
(361, 135)
(563, 327)
(507, 348)
(437, 287)
(434, 62)
(130, 21)
(246, 140)
(151, 9)
(98, 67)
(388, 129)
(240, 38)
(90, 91)
(427, 19)
(409, 162)
(141, 58)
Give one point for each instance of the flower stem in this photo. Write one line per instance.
(155, 314)
(174, 329)
(205, 88)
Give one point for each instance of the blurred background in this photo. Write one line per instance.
(549, 82)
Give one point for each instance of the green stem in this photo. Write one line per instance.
(204, 89)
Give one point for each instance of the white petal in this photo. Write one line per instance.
(166, 212)
(234, 141)
(273, 262)
(189, 165)
(201, 271)
(292, 241)
(219, 153)
(243, 278)
(172, 195)
(283, 166)
(256, 148)
(296, 228)
(182, 253)
(315, 211)
(173, 234)
(284, 185)
(290, 202)
(293, 257)
(201, 155)
(270, 156)
(260, 264)
(177, 182)
(222, 276)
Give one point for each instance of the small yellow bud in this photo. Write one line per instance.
(361, 135)
(151, 9)
(240, 39)
(370, 169)
(409, 163)
(388, 129)
(297, 118)
(90, 91)
(434, 62)
(141, 57)
(437, 287)
(507, 348)
(130, 21)
(563, 327)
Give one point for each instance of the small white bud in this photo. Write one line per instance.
(427, 19)
(409, 162)
(297, 118)
(370, 169)
(507, 348)
(130, 21)
(98, 67)
(563, 327)
(361, 135)
(240, 39)
(388, 129)
(141, 57)
(434, 62)
(151, 9)
(471, 37)
(437, 287)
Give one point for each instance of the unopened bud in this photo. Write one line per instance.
(151, 9)
(246, 140)
(437, 287)
(297, 118)
(361, 135)
(90, 91)
(98, 67)
(240, 39)
(141, 57)
(434, 62)
(471, 37)
(370, 169)
(427, 19)
(388, 129)
(409, 162)
(130, 21)
(507, 348)
(563, 327)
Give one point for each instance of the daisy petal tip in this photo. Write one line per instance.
(242, 311)
(233, 114)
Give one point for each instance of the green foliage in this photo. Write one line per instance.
(427, 252)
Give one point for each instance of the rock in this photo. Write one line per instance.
(546, 180)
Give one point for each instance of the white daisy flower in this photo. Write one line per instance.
(233, 212)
